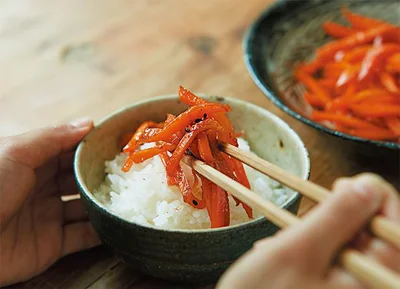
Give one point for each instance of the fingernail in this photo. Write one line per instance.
(369, 189)
(82, 122)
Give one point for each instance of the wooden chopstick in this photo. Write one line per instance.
(363, 268)
(381, 227)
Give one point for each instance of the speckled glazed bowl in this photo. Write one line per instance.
(290, 31)
(188, 256)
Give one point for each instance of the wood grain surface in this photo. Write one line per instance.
(69, 58)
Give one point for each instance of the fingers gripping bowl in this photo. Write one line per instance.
(184, 255)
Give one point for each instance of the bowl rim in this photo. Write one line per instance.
(278, 121)
(250, 34)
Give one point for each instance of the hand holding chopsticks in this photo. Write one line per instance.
(381, 227)
(363, 268)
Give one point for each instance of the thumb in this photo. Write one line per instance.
(36, 147)
(336, 221)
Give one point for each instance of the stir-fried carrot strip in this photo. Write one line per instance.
(356, 54)
(341, 103)
(309, 68)
(345, 120)
(375, 59)
(374, 134)
(204, 149)
(141, 156)
(332, 70)
(393, 123)
(360, 21)
(389, 82)
(194, 150)
(311, 99)
(327, 84)
(393, 63)
(220, 207)
(187, 139)
(184, 120)
(377, 110)
(206, 187)
(191, 99)
(312, 85)
(384, 99)
(134, 142)
(360, 77)
(337, 30)
(348, 75)
(328, 50)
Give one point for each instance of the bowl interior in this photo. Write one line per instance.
(268, 136)
(289, 32)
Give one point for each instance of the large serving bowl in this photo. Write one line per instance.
(190, 256)
(289, 32)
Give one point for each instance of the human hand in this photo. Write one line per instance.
(302, 256)
(36, 226)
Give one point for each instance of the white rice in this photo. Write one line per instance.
(142, 195)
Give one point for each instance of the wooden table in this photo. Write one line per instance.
(68, 58)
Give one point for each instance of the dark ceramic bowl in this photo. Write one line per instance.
(189, 256)
(290, 31)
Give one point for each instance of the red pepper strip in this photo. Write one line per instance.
(376, 110)
(393, 123)
(345, 120)
(360, 21)
(328, 50)
(141, 156)
(312, 85)
(184, 120)
(389, 82)
(187, 139)
(134, 142)
(374, 134)
(187, 191)
(172, 181)
(204, 149)
(375, 59)
(337, 30)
